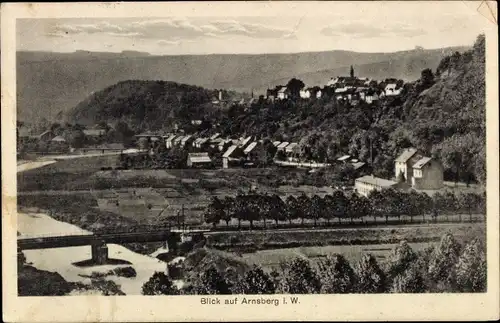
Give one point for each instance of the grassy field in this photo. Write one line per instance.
(262, 240)
(272, 258)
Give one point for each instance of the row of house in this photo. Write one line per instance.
(411, 170)
(24, 135)
(348, 88)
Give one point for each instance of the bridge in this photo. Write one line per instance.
(99, 241)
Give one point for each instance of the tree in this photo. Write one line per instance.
(410, 204)
(277, 210)
(159, 284)
(76, 138)
(337, 275)
(471, 269)
(317, 208)
(300, 278)
(253, 209)
(441, 268)
(401, 177)
(211, 282)
(371, 279)
(214, 212)
(294, 86)
(438, 205)
(340, 204)
(467, 203)
(451, 204)
(255, 281)
(410, 281)
(380, 204)
(426, 79)
(229, 204)
(292, 208)
(329, 205)
(401, 258)
(351, 72)
(358, 207)
(304, 204)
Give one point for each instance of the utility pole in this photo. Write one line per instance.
(183, 218)
(371, 154)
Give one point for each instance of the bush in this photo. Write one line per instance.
(127, 272)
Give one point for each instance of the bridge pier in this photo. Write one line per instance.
(99, 251)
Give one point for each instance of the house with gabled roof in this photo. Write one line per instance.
(344, 158)
(169, 142)
(186, 141)
(392, 89)
(178, 140)
(250, 147)
(198, 160)
(245, 141)
(45, 136)
(403, 165)
(427, 174)
(232, 154)
(282, 145)
(283, 93)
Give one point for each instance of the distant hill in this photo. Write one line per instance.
(150, 105)
(50, 83)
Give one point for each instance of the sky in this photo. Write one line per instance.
(363, 31)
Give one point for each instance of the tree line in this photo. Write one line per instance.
(447, 267)
(388, 203)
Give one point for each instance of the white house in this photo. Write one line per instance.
(391, 90)
(169, 142)
(404, 164)
(283, 93)
(305, 93)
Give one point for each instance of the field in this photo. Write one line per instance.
(260, 240)
(272, 258)
(146, 195)
(269, 249)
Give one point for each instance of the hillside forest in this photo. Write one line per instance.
(442, 114)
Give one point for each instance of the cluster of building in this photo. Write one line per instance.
(347, 88)
(243, 151)
(411, 170)
(221, 101)
(50, 141)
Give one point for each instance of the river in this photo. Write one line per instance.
(62, 260)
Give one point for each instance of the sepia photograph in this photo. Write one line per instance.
(252, 154)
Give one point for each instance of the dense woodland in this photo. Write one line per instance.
(442, 114)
